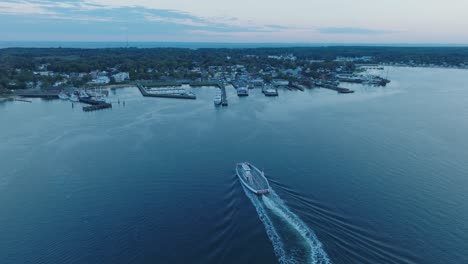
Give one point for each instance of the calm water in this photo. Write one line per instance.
(379, 176)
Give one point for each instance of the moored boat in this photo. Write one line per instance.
(62, 95)
(74, 98)
(242, 91)
(252, 178)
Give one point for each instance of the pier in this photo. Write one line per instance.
(166, 93)
(96, 107)
(298, 86)
(224, 101)
(36, 94)
(336, 88)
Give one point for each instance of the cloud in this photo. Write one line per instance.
(180, 21)
(351, 30)
(23, 8)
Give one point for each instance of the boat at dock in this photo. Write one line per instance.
(62, 95)
(270, 91)
(242, 91)
(252, 178)
(83, 94)
(74, 98)
(218, 100)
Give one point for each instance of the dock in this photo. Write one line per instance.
(96, 107)
(36, 94)
(224, 101)
(336, 88)
(298, 86)
(23, 100)
(166, 93)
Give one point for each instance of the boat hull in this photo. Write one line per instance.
(261, 186)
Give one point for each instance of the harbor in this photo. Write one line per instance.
(164, 92)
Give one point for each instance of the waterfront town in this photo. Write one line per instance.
(58, 78)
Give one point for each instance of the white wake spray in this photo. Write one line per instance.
(273, 203)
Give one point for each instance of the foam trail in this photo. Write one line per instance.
(277, 206)
(269, 227)
(274, 203)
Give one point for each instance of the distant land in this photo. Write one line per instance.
(197, 45)
(57, 68)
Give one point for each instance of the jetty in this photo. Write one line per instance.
(166, 93)
(224, 101)
(336, 88)
(23, 100)
(298, 86)
(96, 107)
(34, 93)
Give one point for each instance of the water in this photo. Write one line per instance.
(378, 176)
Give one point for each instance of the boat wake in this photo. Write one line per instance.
(294, 244)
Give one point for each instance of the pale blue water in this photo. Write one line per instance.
(378, 176)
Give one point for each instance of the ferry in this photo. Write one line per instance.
(252, 178)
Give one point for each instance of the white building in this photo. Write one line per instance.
(121, 76)
(101, 80)
(279, 82)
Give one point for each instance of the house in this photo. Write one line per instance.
(121, 76)
(101, 80)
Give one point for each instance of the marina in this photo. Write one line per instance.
(166, 92)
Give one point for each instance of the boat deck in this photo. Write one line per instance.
(256, 180)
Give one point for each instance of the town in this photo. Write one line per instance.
(83, 75)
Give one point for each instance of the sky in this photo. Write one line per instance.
(249, 21)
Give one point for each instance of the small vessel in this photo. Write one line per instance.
(270, 91)
(217, 99)
(74, 98)
(62, 95)
(252, 178)
(242, 91)
(83, 94)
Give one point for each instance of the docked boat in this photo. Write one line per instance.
(83, 94)
(270, 91)
(242, 91)
(74, 98)
(62, 95)
(218, 99)
(252, 178)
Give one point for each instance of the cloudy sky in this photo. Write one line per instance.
(292, 21)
